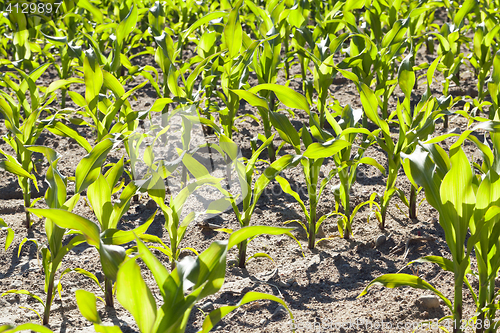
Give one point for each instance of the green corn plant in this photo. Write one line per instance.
(389, 50)
(158, 171)
(296, 18)
(105, 237)
(466, 203)
(485, 215)
(284, 94)
(112, 41)
(18, 26)
(55, 197)
(109, 115)
(173, 212)
(251, 194)
(21, 118)
(54, 251)
(373, 60)
(234, 72)
(167, 56)
(347, 129)
(414, 124)
(68, 53)
(123, 39)
(416, 121)
(207, 48)
(323, 75)
(450, 46)
(108, 214)
(481, 58)
(311, 161)
(267, 59)
(192, 280)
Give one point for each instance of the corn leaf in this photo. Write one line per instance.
(68, 220)
(399, 280)
(89, 168)
(86, 302)
(135, 296)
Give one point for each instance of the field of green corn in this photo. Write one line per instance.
(249, 166)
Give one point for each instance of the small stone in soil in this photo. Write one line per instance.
(258, 211)
(279, 311)
(151, 204)
(380, 240)
(429, 301)
(208, 306)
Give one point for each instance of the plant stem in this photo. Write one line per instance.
(228, 172)
(312, 225)
(48, 302)
(242, 254)
(457, 303)
(108, 292)
(347, 213)
(184, 176)
(413, 202)
(27, 201)
(383, 212)
(287, 49)
(267, 129)
(480, 318)
(63, 98)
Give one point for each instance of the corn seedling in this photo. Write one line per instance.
(109, 116)
(106, 238)
(68, 52)
(195, 278)
(347, 129)
(55, 197)
(251, 194)
(24, 127)
(311, 160)
(172, 213)
(466, 203)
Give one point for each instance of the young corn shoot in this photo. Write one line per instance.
(250, 192)
(193, 278)
(311, 161)
(105, 237)
(24, 126)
